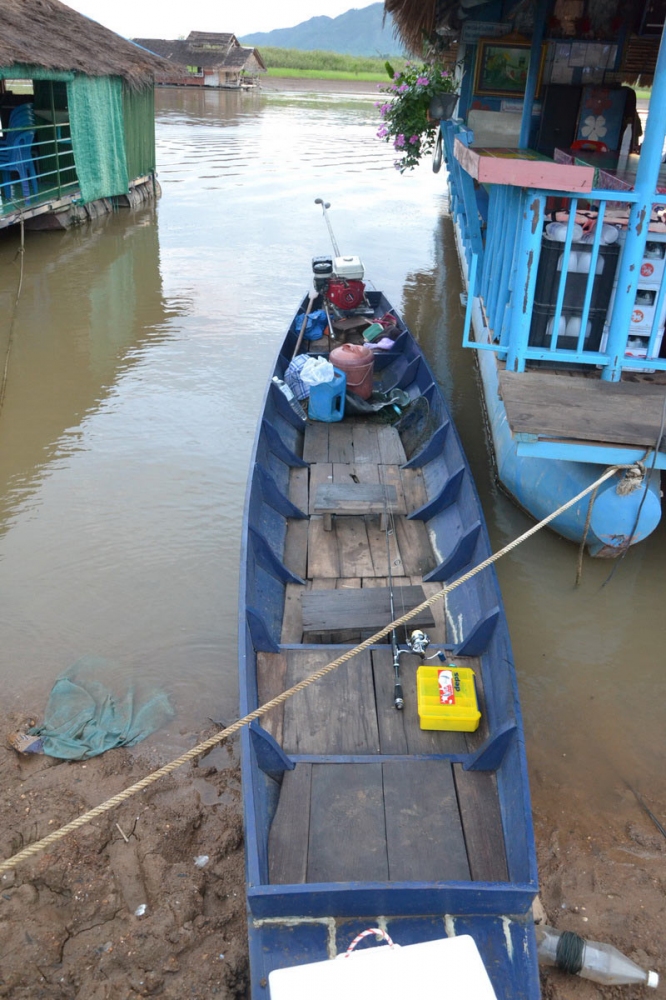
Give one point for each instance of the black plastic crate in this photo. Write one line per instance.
(540, 334)
(548, 276)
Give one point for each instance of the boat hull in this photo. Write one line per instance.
(291, 922)
(541, 485)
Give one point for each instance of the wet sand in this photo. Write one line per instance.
(120, 910)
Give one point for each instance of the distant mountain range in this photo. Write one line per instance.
(356, 33)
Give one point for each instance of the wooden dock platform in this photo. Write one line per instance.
(583, 409)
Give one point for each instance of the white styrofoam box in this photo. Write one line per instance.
(652, 265)
(637, 348)
(449, 969)
(643, 313)
(348, 267)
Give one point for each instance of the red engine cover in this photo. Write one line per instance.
(345, 294)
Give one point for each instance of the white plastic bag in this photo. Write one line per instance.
(315, 371)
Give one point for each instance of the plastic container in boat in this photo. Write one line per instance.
(357, 362)
(446, 698)
(327, 399)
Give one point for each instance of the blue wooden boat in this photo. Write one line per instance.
(354, 816)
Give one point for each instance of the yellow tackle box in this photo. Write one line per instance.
(446, 698)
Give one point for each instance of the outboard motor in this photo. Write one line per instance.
(346, 289)
(340, 278)
(322, 270)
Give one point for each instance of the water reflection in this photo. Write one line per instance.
(89, 300)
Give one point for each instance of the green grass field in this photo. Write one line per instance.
(326, 65)
(322, 74)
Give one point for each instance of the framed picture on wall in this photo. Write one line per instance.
(501, 67)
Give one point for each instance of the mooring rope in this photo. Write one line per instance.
(213, 741)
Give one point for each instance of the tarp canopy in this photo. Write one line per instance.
(98, 135)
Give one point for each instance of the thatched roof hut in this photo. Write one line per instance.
(51, 35)
(91, 117)
(218, 55)
(414, 21)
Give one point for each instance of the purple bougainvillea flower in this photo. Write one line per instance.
(422, 81)
(414, 139)
(396, 76)
(382, 132)
(399, 141)
(402, 88)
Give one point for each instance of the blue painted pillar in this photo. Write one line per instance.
(639, 219)
(540, 15)
(530, 227)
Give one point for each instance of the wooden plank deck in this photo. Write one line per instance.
(335, 715)
(567, 408)
(352, 440)
(389, 820)
(351, 710)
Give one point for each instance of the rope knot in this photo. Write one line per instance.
(632, 479)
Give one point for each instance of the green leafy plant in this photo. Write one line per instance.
(406, 123)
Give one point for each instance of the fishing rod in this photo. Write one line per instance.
(398, 699)
(418, 641)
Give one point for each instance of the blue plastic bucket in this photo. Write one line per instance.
(327, 400)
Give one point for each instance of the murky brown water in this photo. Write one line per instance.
(135, 371)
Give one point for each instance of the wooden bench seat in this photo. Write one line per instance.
(360, 609)
(357, 498)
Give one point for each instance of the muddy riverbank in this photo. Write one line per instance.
(148, 900)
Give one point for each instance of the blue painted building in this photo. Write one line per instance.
(558, 198)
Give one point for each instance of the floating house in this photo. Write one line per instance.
(207, 59)
(77, 115)
(559, 211)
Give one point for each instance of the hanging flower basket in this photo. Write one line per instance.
(420, 97)
(442, 106)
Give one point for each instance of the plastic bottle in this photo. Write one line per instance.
(602, 963)
(288, 394)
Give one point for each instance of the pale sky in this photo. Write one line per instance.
(171, 18)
